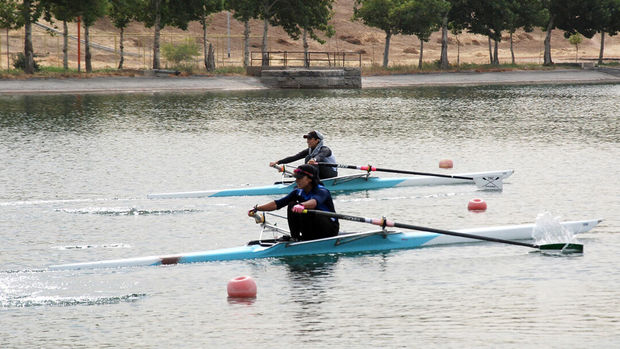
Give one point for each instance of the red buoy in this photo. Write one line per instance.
(477, 205)
(242, 287)
(445, 163)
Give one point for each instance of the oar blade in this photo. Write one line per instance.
(562, 248)
(489, 182)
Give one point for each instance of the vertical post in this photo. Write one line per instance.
(79, 44)
(228, 30)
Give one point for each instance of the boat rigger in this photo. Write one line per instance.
(491, 180)
(364, 242)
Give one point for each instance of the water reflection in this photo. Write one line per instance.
(582, 112)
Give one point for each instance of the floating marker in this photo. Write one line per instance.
(242, 287)
(445, 163)
(477, 205)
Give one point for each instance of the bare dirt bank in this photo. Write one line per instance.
(243, 83)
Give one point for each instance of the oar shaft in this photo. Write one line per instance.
(463, 235)
(372, 168)
(386, 223)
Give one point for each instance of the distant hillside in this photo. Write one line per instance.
(350, 36)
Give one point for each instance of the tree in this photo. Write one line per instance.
(524, 14)
(488, 18)
(313, 15)
(610, 23)
(293, 16)
(420, 18)
(9, 19)
(30, 11)
(206, 9)
(90, 11)
(121, 13)
(575, 40)
(571, 16)
(243, 11)
(159, 14)
(65, 11)
(379, 14)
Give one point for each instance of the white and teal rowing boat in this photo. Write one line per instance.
(365, 242)
(491, 180)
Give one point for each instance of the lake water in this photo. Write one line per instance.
(75, 172)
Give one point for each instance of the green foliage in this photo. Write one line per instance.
(122, 12)
(9, 15)
(575, 39)
(420, 17)
(182, 54)
(19, 62)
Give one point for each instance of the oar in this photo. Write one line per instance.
(484, 182)
(562, 247)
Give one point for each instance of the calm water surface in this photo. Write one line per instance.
(75, 171)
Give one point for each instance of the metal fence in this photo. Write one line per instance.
(306, 59)
(105, 49)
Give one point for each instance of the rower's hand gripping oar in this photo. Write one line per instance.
(482, 182)
(283, 170)
(561, 247)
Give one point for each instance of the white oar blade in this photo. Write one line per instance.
(489, 182)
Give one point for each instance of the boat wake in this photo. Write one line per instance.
(36, 301)
(61, 201)
(124, 211)
(429, 196)
(84, 247)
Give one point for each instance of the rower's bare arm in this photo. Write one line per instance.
(270, 206)
(310, 204)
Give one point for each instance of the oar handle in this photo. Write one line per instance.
(387, 223)
(282, 169)
(370, 168)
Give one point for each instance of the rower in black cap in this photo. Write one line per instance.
(315, 153)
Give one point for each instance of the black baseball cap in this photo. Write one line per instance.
(314, 134)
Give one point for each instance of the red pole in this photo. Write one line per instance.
(79, 44)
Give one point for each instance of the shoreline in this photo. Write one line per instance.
(144, 84)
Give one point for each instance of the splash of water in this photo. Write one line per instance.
(549, 230)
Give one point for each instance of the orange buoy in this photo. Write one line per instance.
(445, 163)
(242, 287)
(477, 205)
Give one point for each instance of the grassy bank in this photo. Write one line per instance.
(59, 73)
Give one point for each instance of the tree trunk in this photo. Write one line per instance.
(512, 52)
(306, 57)
(490, 49)
(496, 53)
(87, 56)
(246, 43)
(28, 50)
(265, 59)
(443, 62)
(600, 54)
(205, 44)
(65, 46)
(458, 52)
(547, 59)
(122, 49)
(8, 50)
(156, 63)
(386, 51)
(421, 54)
(211, 58)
